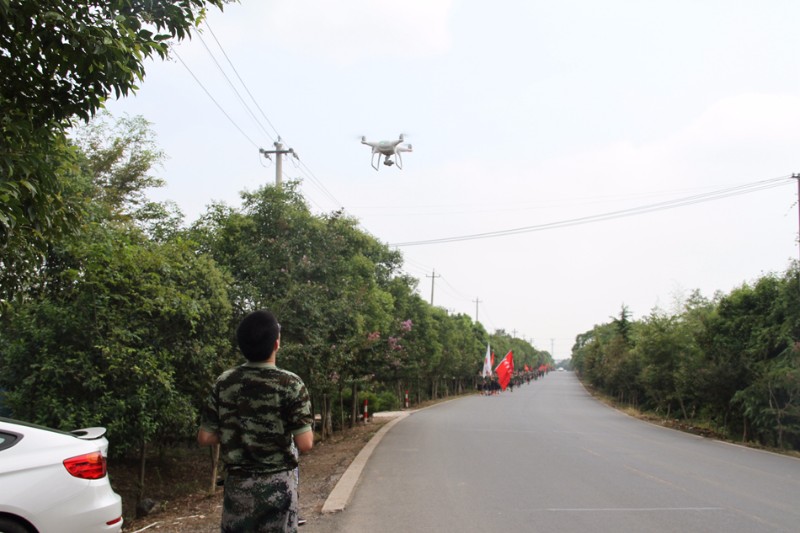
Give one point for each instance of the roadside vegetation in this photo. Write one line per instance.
(728, 366)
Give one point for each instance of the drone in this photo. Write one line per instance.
(387, 149)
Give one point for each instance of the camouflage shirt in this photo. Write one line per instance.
(256, 408)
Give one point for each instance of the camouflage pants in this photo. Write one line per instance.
(262, 503)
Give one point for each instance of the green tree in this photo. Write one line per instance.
(742, 333)
(321, 275)
(119, 330)
(60, 60)
(768, 399)
(129, 340)
(690, 365)
(660, 345)
(120, 154)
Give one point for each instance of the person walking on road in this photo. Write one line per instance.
(255, 412)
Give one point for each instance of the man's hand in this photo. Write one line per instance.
(304, 441)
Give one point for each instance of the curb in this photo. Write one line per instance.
(340, 495)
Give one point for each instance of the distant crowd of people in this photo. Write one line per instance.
(489, 386)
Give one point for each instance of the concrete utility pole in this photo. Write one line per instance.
(279, 152)
(433, 281)
(476, 308)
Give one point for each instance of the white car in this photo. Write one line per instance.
(53, 481)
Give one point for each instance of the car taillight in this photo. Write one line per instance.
(87, 466)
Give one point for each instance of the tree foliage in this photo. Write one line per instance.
(118, 329)
(128, 340)
(731, 363)
(60, 60)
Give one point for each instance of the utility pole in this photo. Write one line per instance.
(433, 281)
(279, 152)
(477, 301)
(797, 177)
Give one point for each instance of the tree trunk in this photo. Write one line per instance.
(142, 464)
(212, 488)
(744, 428)
(683, 408)
(774, 405)
(327, 423)
(341, 409)
(354, 405)
(323, 407)
(327, 418)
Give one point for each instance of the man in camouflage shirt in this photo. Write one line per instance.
(255, 411)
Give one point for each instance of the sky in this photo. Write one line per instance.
(575, 157)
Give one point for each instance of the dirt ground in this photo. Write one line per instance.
(178, 484)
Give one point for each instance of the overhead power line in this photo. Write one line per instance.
(243, 83)
(230, 83)
(235, 125)
(299, 164)
(660, 206)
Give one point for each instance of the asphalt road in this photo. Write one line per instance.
(548, 457)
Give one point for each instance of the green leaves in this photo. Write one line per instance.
(136, 338)
(60, 60)
(733, 363)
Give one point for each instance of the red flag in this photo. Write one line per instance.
(527, 368)
(505, 370)
(492, 358)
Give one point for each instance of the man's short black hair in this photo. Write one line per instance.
(256, 335)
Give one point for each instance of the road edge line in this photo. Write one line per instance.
(339, 497)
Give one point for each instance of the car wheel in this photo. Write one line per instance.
(7, 525)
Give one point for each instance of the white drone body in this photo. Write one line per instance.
(387, 149)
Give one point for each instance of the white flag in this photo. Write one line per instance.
(487, 363)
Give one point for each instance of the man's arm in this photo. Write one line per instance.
(304, 441)
(207, 438)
